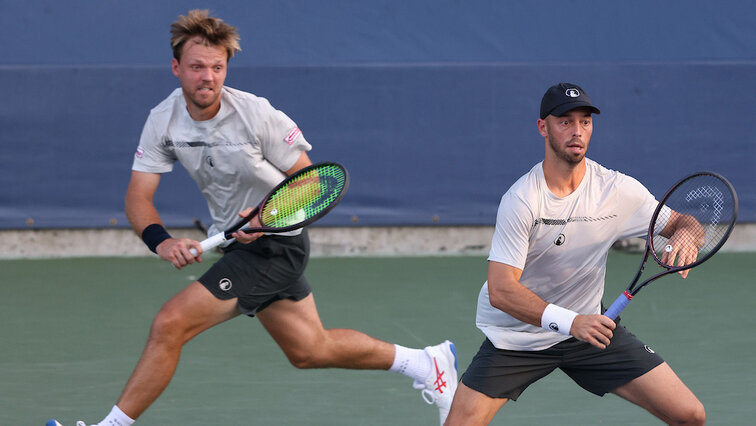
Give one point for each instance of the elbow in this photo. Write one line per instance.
(498, 300)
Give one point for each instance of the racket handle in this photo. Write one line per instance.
(618, 305)
(210, 243)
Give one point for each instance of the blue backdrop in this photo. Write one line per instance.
(431, 105)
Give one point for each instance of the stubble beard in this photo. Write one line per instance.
(202, 104)
(571, 159)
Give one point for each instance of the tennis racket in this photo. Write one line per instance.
(298, 201)
(704, 206)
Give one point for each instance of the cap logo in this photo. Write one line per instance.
(572, 93)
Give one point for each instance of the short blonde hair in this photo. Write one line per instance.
(212, 31)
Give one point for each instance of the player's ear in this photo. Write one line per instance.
(174, 66)
(541, 123)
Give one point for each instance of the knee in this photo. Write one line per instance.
(697, 415)
(693, 415)
(306, 359)
(167, 328)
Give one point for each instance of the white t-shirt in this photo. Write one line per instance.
(236, 157)
(561, 246)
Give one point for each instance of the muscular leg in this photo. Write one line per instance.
(296, 327)
(471, 407)
(665, 396)
(187, 314)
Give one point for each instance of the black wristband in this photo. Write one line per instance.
(153, 235)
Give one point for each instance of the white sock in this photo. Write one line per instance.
(116, 418)
(413, 363)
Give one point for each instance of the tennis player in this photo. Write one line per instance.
(541, 306)
(237, 147)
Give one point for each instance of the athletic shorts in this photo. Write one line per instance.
(501, 373)
(257, 274)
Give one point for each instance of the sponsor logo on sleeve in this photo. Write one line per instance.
(293, 136)
(139, 152)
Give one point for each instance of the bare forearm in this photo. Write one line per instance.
(140, 213)
(138, 205)
(507, 294)
(519, 302)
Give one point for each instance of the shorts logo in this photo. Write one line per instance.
(559, 240)
(209, 161)
(572, 93)
(649, 350)
(293, 135)
(554, 326)
(225, 284)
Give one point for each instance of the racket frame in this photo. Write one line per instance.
(222, 237)
(722, 240)
(627, 295)
(261, 207)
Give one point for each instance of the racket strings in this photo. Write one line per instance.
(304, 197)
(707, 207)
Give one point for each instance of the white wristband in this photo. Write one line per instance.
(556, 318)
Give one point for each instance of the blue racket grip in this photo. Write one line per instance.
(618, 305)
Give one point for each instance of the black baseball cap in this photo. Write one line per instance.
(564, 97)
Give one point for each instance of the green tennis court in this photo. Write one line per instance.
(72, 330)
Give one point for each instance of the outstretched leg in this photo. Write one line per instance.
(471, 407)
(665, 396)
(296, 327)
(190, 312)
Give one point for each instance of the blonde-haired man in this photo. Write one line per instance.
(237, 147)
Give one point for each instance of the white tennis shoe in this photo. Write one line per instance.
(441, 382)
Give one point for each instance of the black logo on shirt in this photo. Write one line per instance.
(559, 240)
(209, 161)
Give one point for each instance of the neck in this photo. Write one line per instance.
(563, 178)
(202, 114)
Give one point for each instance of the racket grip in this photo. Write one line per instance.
(210, 243)
(618, 305)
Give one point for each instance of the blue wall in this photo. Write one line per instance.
(432, 109)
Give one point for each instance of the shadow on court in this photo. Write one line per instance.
(72, 330)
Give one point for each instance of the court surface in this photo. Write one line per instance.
(72, 330)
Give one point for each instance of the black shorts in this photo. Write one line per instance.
(262, 272)
(502, 373)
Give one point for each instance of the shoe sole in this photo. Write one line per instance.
(454, 352)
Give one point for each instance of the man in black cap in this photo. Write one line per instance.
(541, 307)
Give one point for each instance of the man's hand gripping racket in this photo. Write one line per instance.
(298, 201)
(690, 224)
